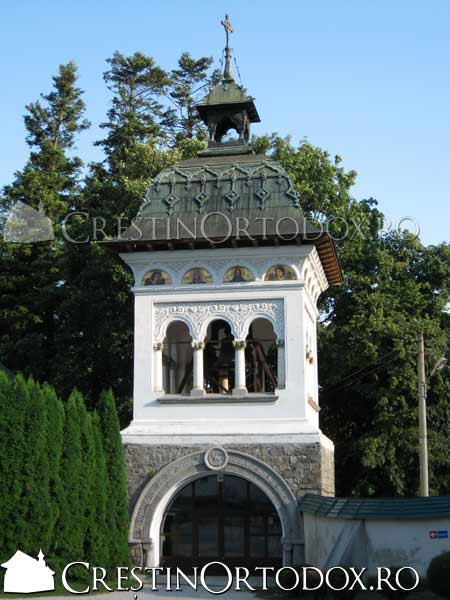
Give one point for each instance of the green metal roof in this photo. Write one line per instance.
(376, 508)
(213, 183)
(227, 94)
(248, 188)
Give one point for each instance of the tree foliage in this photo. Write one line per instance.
(394, 288)
(56, 485)
(67, 311)
(30, 288)
(117, 514)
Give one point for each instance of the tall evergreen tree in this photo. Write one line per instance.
(54, 449)
(117, 515)
(72, 518)
(97, 289)
(13, 394)
(35, 498)
(187, 83)
(98, 535)
(135, 116)
(31, 282)
(88, 474)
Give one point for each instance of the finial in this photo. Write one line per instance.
(40, 555)
(227, 73)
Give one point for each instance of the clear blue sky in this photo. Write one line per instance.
(366, 80)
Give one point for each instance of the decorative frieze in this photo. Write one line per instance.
(258, 266)
(197, 316)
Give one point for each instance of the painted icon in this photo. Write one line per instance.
(156, 277)
(280, 273)
(197, 276)
(238, 275)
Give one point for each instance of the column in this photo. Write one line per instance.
(240, 385)
(172, 368)
(157, 367)
(198, 388)
(281, 365)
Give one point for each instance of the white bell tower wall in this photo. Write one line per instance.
(288, 300)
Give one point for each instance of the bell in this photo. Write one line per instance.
(225, 359)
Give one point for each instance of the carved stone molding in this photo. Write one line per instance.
(161, 489)
(198, 315)
(216, 458)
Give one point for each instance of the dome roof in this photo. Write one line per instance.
(225, 183)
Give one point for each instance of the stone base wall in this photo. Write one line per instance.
(306, 468)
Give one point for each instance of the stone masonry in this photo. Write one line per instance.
(306, 468)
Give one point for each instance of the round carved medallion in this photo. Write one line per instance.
(216, 458)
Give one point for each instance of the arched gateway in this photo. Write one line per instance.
(225, 395)
(215, 504)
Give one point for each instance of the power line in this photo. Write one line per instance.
(363, 372)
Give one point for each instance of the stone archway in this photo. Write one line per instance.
(154, 499)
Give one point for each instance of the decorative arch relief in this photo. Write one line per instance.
(156, 495)
(198, 315)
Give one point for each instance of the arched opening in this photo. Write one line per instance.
(221, 518)
(261, 357)
(227, 130)
(219, 358)
(177, 359)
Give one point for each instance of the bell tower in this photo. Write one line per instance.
(225, 401)
(228, 107)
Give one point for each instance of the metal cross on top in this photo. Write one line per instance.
(227, 26)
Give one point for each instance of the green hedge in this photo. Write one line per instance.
(62, 484)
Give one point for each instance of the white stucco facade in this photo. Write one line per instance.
(272, 438)
(374, 543)
(290, 306)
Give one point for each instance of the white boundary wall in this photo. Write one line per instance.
(373, 543)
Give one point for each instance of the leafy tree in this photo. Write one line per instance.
(373, 413)
(117, 516)
(393, 288)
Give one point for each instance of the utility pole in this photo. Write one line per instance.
(422, 398)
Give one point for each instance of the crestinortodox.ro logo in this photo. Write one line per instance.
(25, 574)
(24, 224)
